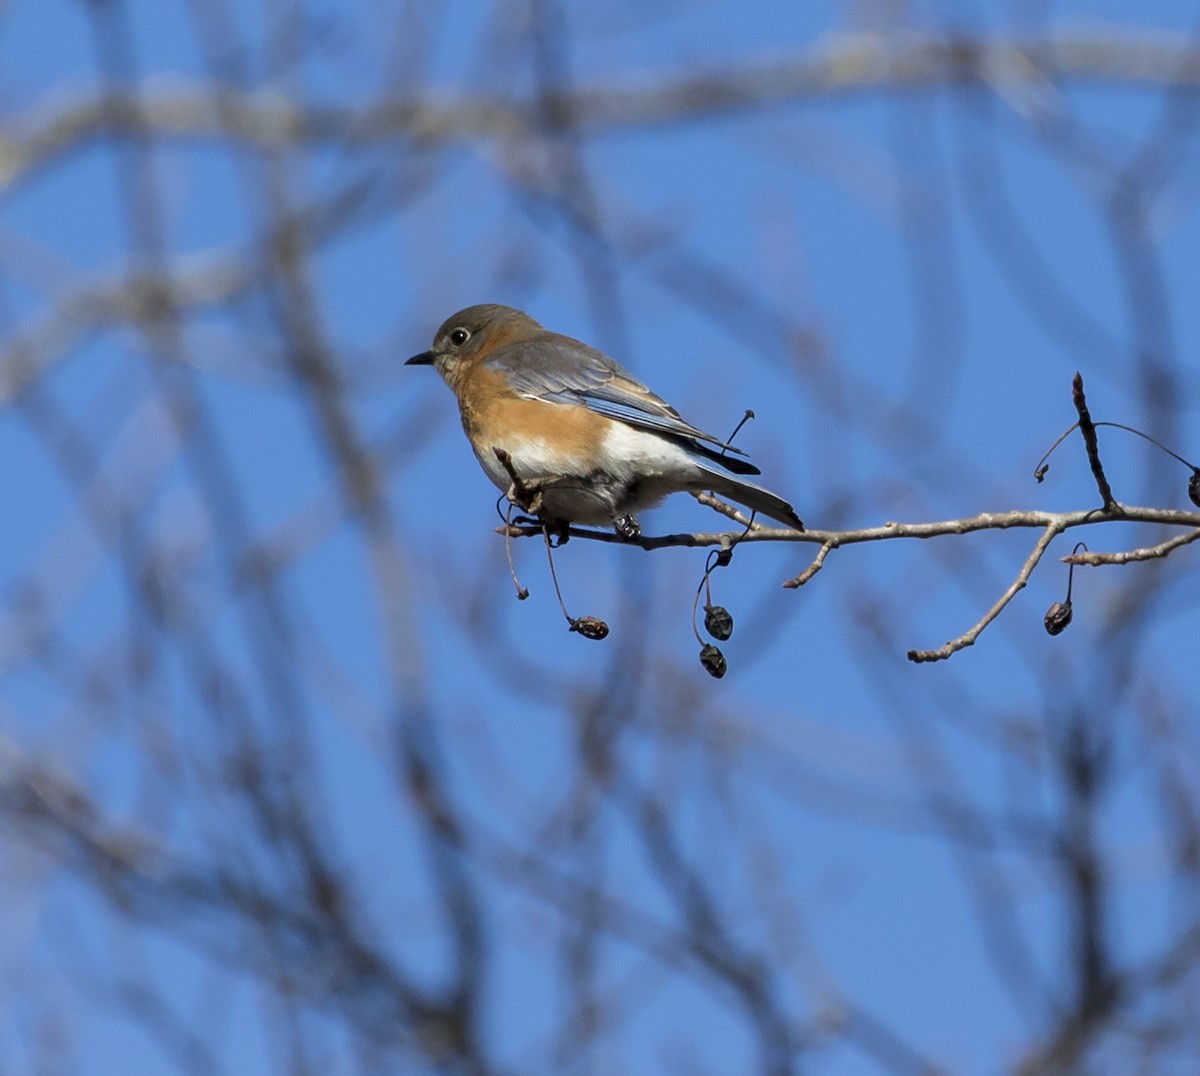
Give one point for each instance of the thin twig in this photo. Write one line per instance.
(519, 492)
(729, 440)
(714, 502)
(817, 564)
(1152, 440)
(1088, 428)
(553, 574)
(1129, 556)
(1051, 524)
(1039, 472)
(590, 627)
(968, 637)
(985, 521)
(522, 592)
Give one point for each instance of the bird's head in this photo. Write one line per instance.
(471, 334)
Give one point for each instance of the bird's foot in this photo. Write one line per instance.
(559, 530)
(627, 527)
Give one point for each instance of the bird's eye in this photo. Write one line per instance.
(458, 337)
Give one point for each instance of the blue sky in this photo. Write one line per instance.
(907, 357)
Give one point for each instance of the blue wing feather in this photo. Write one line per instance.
(558, 369)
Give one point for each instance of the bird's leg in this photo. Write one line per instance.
(627, 527)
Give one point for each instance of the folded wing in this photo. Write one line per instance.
(564, 371)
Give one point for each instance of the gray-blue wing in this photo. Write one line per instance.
(558, 369)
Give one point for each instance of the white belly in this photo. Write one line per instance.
(633, 470)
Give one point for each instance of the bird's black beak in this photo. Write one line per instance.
(424, 359)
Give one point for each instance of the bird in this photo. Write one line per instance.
(549, 416)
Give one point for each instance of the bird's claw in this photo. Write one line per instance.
(627, 527)
(559, 531)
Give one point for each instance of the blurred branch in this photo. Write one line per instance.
(844, 65)
(396, 885)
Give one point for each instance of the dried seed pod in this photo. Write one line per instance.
(718, 622)
(590, 627)
(724, 556)
(1058, 616)
(713, 661)
(1194, 488)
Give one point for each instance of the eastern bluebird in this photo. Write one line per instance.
(581, 430)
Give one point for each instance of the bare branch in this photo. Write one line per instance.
(817, 564)
(1088, 428)
(968, 637)
(985, 521)
(844, 64)
(1129, 556)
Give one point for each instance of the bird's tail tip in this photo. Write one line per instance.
(757, 498)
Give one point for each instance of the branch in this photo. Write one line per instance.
(1088, 428)
(525, 496)
(1129, 556)
(967, 638)
(985, 521)
(719, 506)
(817, 564)
(846, 64)
(127, 298)
(1051, 524)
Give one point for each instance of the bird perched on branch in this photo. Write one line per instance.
(570, 434)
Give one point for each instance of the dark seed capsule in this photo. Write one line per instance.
(590, 627)
(713, 661)
(718, 622)
(1040, 473)
(1058, 616)
(1194, 488)
(724, 556)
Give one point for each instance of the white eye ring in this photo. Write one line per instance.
(458, 337)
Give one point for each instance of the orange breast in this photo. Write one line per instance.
(566, 438)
